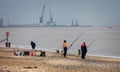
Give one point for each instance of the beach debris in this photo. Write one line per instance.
(5, 71)
(57, 51)
(30, 67)
(110, 27)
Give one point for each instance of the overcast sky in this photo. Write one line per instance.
(86, 12)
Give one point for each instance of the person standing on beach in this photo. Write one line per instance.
(84, 50)
(33, 45)
(65, 48)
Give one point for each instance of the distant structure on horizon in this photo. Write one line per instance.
(1, 21)
(50, 21)
(42, 21)
(74, 23)
(42, 16)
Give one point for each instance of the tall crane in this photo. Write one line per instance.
(1, 20)
(50, 22)
(76, 23)
(42, 15)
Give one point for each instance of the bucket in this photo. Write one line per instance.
(43, 54)
(26, 53)
(32, 53)
(57, 51)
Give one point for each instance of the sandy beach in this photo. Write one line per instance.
(53, 62)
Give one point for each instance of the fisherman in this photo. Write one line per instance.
(84, 50)
(65, 48)
(33, 45)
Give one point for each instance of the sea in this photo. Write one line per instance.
(100, 40)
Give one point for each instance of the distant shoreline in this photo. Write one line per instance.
(104, 56)
(22, 26)
(27, 26)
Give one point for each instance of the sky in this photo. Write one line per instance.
(86, 12)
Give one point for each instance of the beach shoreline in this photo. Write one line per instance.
(97, 55)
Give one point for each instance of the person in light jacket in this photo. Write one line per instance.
(65, 48)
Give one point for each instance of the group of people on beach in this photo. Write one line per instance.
(65, 48)
(83, 49)
(19, 53)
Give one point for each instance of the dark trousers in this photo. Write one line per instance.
(84, 51)
(65, 52)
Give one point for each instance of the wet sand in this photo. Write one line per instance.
(53, 62)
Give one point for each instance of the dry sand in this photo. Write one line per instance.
(54, 63)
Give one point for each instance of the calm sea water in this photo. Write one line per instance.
(105, 41)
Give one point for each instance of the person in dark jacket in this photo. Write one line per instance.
(33, 45)
(84, 50)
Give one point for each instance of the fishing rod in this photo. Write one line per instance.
(93, 41)
(73, 42)
(3, 40)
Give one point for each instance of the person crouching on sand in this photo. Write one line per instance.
(65, 48)
(84, 50)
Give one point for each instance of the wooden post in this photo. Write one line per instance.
(78, 51)
(7, 43)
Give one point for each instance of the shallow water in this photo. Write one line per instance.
(104, 41)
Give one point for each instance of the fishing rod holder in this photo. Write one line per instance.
(79, 52)
(7, 44)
